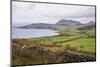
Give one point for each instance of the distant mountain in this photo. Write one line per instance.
(51, 26)
(38, 26)
(87, 26)
(64, 22)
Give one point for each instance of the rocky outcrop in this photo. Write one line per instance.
(36, 54)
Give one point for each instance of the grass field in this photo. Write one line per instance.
(44, 50)
(81, 40)
(83, 44)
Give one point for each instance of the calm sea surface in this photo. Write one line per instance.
(32, 33)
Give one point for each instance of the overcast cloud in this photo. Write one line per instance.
(25, 12)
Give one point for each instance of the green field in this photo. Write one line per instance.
(70, 39)
(82, 40)
(83, 44)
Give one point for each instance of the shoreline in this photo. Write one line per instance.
(56, 33)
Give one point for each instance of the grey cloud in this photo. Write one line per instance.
(29, 12)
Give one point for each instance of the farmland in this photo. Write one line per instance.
(71, 40)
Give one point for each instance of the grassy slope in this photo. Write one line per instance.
(83, 44)
(77, 39)
(83, 40)
(71, 39)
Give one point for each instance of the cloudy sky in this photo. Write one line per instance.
(27, 13)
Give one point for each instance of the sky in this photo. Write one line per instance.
(24, 13)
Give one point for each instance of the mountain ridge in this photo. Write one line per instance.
(61, 22)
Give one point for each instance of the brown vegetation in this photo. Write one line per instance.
(40, 55)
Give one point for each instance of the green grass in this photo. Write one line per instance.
(69, 36)
(82, 40)
(55, 40)
(70, 39)
(83, 44)
(68, 30)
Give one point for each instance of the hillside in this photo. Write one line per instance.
(64, 22)
(51, 26)
(38, 26)
(87, 26)
(36, 54)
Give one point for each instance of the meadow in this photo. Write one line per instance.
(83, 40)
(71, 45)
(70, 36)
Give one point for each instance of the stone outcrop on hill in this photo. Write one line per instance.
(35, 54)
